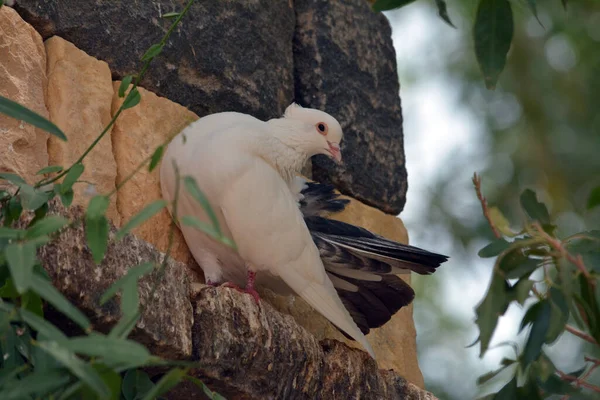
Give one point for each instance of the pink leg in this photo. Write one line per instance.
(211, 283)
(249, 286)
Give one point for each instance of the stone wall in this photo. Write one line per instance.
(280, 53)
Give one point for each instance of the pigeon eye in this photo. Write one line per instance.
(322, 128)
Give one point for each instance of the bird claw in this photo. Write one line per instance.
(251, 291)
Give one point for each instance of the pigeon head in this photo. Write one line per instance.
(313, 132)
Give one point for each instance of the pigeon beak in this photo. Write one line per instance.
(335, 152)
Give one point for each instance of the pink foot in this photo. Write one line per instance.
(249, 286)
(211, 283)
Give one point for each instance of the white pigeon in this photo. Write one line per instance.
(248, 170)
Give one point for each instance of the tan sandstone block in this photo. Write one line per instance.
(22, 79)
(136, 135)
(394, 343)
(79, 100)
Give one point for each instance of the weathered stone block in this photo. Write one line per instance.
(225, 56)
(79, 99)
(345, 64)
(22, 79)
(136, 135)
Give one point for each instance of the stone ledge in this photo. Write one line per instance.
(243, 349)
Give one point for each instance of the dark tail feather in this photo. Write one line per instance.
(319, 199)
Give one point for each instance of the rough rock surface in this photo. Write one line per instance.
(242, 349)
(226, 56)
(395, 342)
(135, 136)
(345, 64)
(165, 325)
(79, 98)
(22, 79)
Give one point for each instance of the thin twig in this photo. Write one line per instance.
(580, 334)
(578, 381)
(484, 205)
(558, 246)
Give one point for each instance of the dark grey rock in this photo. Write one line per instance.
(345, 64)
(225, 56)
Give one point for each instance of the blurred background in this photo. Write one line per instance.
(539, 129)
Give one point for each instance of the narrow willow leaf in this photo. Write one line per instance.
(494, 248)
(124, 85)
(171, 15)
(130, 299)
(96, 233)
(537, 335)
(207, 392)
(21, 258)
(148, 212)
(555, 385)
(536, 210)
(443, 12)
(43, 327)
(32, 198)
(594, 199)
(194, 222)
(132, 99)
(36, 383)
(166, 383)
(13, 178)
(152, 51)
(15, 209)
(46, 226)
(156, 157)
(80, 369)
(10, 233)
(134, 274)
(97, 206)
(384, 5)
(72, 177)
(194, 190)
(54, 297)
(50, 170)
(67, 198)
(559, 315)
(493, 33)
(124, 327)
(111, 379)
(113, 351)
(491, 308)
(33, 303)
(19, 112)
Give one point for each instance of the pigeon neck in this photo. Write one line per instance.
(282, 153)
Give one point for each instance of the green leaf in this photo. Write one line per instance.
(555, 385)
(132, 99)
(171, 15)
(96, 233)
(207, 392)
(54, 297)
(537, 335)
(46, 226)
(39, 214)
(558, 317)
(156, 156)
(136, 383)
(564, 3)
(112, 380)
(166, 383)
(148, 212)
(43, 327)
(443, 12)
(133, 275)
(493, 305)
(72, 177)
(543, 368)
(124, 85)
(516, 264)
(489, 375)
(536, 210)
(10, 233)
(21, 258)
(494, 248)
(80, 369)
(493, 33)
(589, 302)
(124, 327)
(385, 5)
(49, 170)
(33, 198)
(521, 290)
(14, 210)
(13, 178)
(194, 190)
(33, 303)
(190, 220)
(152, 51)
(113, 351)
(36, 383)
(19, 112)
(97, 207)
